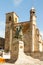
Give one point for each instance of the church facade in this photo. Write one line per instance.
(31, 35)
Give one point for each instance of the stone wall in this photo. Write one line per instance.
(36, 55)
(36, 40)
(28, 41)
(2, 43)
(14, 50)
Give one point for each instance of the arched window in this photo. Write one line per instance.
(9, 18)
(15, 19)
(37, 31)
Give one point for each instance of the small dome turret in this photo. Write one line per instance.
(33, 15)
(32, 11)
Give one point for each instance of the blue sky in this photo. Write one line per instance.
(22, 8)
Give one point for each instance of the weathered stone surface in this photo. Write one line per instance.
(30, 35)
(2, 43)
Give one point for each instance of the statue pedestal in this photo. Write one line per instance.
(24, 59)
(21, 49)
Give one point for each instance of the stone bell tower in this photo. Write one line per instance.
(33, 24)
(11, 19)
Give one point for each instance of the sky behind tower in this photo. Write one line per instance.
(22, 8)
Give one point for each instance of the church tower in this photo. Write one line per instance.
(33, 27)
(35, 46)
(11, 19)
